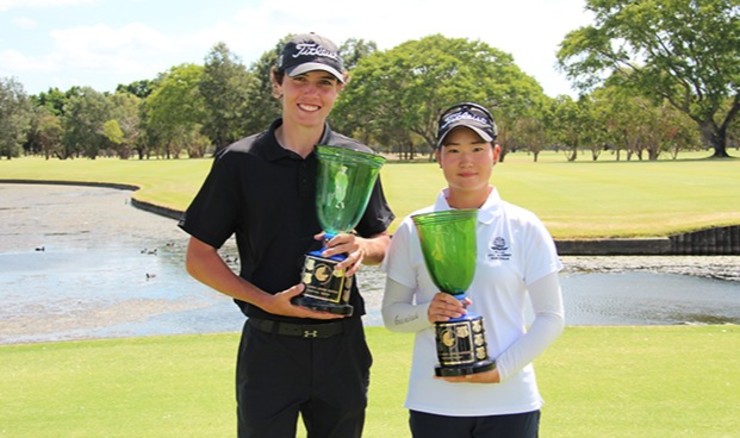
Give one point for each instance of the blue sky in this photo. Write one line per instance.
(103, 43)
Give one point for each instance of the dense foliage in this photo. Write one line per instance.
(656, 77)
(681, 52)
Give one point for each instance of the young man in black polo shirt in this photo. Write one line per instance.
(262, 189)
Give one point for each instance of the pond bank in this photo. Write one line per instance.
(714, 241)
(79, 262)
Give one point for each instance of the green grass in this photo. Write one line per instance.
(677, 381)
(651, 381)
(648, 381)
(582, 199)
(596, 199)
(170, 183)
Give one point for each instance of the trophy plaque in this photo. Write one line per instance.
(344, 183)
(448, 242)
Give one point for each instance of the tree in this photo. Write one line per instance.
(670, 132)
(224, 87)
(85, 113)
(45, 134)
(141, 88)
(395, 97)
(53, 100)
(570, 123)
(685, 52)
(124, 128)
(175, 110)
(354, 49)
(621, 115)
(529, 134)
(15, 117)
(262, 106)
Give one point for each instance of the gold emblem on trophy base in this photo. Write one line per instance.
(462, 331)
(478, 340)
(448, 338)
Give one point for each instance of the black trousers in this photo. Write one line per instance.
(325, 379)
(525, 425)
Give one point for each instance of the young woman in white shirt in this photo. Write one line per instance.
(517, 264)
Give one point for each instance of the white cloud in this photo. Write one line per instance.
(25, 23)
(130, 48)
(530, 30)
(100, 54)
(6, 5)
(23, 63)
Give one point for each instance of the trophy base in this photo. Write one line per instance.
(464, 370)
(323, 306)
(461, 347)
(327, 289)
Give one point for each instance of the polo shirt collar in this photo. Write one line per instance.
(486, 213)
(274, 151)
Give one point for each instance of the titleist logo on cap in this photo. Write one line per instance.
(464, 115)
(470, 115)
(314, 49)
(308, 52)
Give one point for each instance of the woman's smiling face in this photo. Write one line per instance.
(467, 161)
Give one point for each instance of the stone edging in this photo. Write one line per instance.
(118, 186)
(156, 209)
(712, 241)
(649, 246)
(143, 205)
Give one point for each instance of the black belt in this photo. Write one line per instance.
(324, 330)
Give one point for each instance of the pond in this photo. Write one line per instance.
(81, 262)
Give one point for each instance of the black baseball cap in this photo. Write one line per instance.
(468, 114)
(309, 51)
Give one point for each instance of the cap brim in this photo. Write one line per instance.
(483, 134)
(311, 66)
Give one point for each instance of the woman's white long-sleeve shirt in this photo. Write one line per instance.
(517, 265)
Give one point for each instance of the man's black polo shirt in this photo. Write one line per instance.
(266, 196)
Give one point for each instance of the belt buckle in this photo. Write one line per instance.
(310, 333)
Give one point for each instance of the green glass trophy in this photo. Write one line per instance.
(448, 242)
(344, 184)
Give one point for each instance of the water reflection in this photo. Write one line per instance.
(631, 298)
(79, 262)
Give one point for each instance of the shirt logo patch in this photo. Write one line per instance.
(499, 250)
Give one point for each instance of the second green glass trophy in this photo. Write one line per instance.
(345, 181)
(448, 242)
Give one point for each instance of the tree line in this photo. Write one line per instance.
(654, 78)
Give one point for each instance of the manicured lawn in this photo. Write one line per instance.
(582, 199)
(601, 199)
(652, 381)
